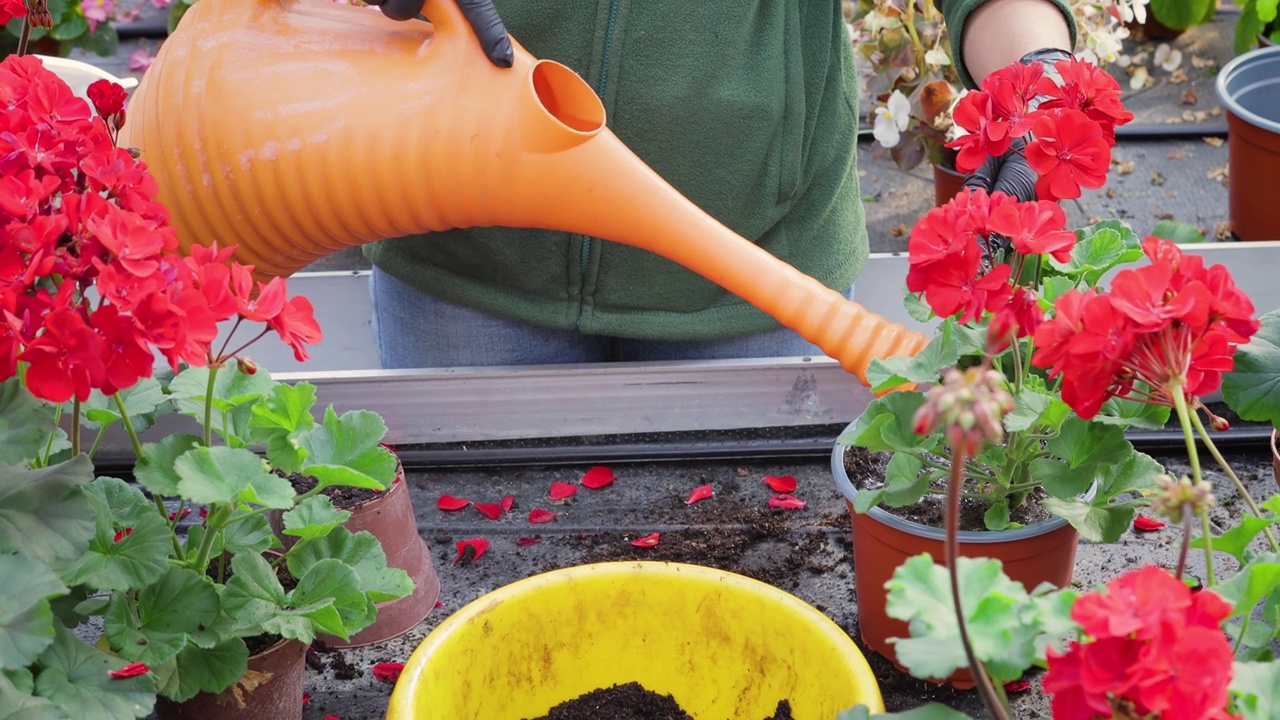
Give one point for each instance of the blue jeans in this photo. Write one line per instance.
(417, 330)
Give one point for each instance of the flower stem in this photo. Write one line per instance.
(75, 427)
(208, 407)
(1185, 545)
(1235, 479)
(132, 432)
(1208, 550)
(1185, 419)
(25, 35)
(952, 554)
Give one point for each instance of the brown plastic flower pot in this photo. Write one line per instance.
(390, 518)
(947, 183)
(1043, 552)
(279, 697)
(1249, 89)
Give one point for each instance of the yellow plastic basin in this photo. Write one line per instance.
(725, 646)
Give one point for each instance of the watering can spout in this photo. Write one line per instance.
(296, 128)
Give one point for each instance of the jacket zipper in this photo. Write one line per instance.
(587, 242)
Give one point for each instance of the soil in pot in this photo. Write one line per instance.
(631, 701)
(343, 498)
(866, 470)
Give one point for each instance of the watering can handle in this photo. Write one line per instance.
(452, 16)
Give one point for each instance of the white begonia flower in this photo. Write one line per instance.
(1134, 10)
(1167, 57)
(891, 120)
(937, 56)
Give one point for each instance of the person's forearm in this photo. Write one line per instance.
(1002, 31)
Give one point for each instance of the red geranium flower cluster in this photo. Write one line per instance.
(946, 250)
(1172, 325)
(1154, 649)
(1072, 126)
(91, 283)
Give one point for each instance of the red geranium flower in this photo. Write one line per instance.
(1069, 152)
(1035, 228)
(107, 98)
(1085, 87)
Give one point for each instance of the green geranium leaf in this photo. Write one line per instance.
(1176, 231)
(1059, 479)
(919, 594)
(256, 602)
(45, 513)
(313, 518)
(234, 394)
(1096, 523)
(230, 475)
(1099, 248)
(333, 583)
(1127, 413)
(75, 676)
(1084, 444)
(1253, 582)
(886, 425)
(155, 469)
(166, 612)
(1256, 687)
(251, 534)
(70, 28)
(135, 560)
(141, 402)
(26, 620)
(1055, 287)
(351, 442)
(1235, 541)
(103, 42)
(195, 670)
(19, 704)
(25, 423)
(923, 367)
(1252, 388)
(932, 711)
(125, 503)
(1052, 608)
(1029, 405)
(361, 551)
(916, 307)
(279, 420)
(1136, 473)
(1180, 14)
(997, 516)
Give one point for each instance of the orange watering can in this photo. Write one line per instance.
(296, 128)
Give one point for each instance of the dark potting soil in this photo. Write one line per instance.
(631, 701)
(258, 643)
(343, 498)
(866, 471)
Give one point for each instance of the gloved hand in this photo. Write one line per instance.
(1009, 173)
(481, 15)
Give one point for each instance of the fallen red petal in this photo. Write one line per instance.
(537, 516)
(204, 512)
(647, 541)
(493, 511)
(387, 672)
(562, 490)
(175, 515)
(1017, 686)
(449, 503)
(1146, 524)
(527, 541)
(306, 698)
(332, 717)
(507, 502)
(133, 669)
(786, 502)
(470, 551)
(438, 604)
(781, 483)
(701, 492)
(597, 477)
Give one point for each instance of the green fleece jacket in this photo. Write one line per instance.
(747, 107)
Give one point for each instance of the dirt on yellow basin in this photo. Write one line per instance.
(726, 647)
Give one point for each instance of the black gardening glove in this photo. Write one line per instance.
(481, 15)
(1009, 173)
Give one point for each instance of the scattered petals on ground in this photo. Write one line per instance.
(1017, 686)
(493, 511)
(786, 502)
(702, 492)
(1146, 524)
(388, 672)
(140, 60)
(647, 541)
(507, 502)
(781, 483)
(527, 541)
(471, 550)
(597, 477)
(562, 490)
(537, 516)
(449, 503)
(133, 669)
